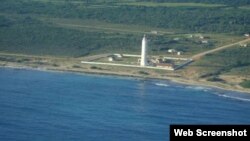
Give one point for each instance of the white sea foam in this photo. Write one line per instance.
(161, 84)
(234, 97)
(198, 88)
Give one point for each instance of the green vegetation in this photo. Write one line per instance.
(230, 61)
(245, 84)
(143, 73)
(102, 26)
(55, 65)
(191, 18)
(95, 67)
(154, 4)
(76, 66)
(214, 79)
(84, 27)
(226, 2)
(245, 7)
(38, 36)
(30, 36)
(7, 59)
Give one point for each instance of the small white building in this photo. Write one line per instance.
(171, 51)
(204, 41)
(201, 37)
(179, 53)
(246, 35)
(243, 45)
(111, 59)
(176, 39)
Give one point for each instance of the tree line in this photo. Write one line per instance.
(191, 19)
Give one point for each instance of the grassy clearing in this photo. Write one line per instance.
(160, 44)
(245, 7)
(224, 39)
(102, 26)
(57, 1)
(155, 4)
(234, 61)
(81, 2)
(240, 70)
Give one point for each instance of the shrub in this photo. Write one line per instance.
(245, 84)
(143, 72)
(215, 79)
(76, 66)
(95, 67)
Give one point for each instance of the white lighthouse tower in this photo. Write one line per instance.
(144, 51)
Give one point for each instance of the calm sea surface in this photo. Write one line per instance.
(50, 106)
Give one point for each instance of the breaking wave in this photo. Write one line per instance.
(200, 88)
(162, 84)
(234, 97)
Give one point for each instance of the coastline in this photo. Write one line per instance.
(127, 75)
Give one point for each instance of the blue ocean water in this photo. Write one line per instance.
(52, 106)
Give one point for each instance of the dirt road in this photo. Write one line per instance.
(198, 56)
